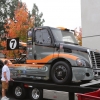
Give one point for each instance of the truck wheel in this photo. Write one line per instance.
(36, 94)
(61, 73)
(1, 65)
(19, 92)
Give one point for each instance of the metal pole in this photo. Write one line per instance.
(71, 96)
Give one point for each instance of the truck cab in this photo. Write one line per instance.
(58, 56)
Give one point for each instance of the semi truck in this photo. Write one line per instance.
(54, 55)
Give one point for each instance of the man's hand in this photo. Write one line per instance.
(11, 79)
(6, 81)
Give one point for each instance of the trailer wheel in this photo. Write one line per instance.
(36, 94)
(61, 73)
(19, 92)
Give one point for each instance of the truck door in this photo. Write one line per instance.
(42, 46)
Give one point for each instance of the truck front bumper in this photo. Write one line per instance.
(97, 73)
(82, 73)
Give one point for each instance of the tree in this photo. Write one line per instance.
(78, 35)
(18, 26)
(38, 21)
(7, 8)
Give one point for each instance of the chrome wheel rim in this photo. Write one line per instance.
(60, 72)
(18, 91)
(35, 93)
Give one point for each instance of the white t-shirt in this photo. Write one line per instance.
(5, 69)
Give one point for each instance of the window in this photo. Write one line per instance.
(42, 37)
(63, 35)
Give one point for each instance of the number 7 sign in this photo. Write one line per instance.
(13, 44)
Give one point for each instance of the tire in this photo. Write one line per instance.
(36, 94)
(19, 92)
(61, 73)
(1, 65)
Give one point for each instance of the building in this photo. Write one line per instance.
(90, 16)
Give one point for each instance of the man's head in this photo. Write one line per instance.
(6, 62)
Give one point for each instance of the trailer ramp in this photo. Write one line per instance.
(93, 82)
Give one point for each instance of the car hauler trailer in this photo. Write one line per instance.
(24, 89)
(37, 90)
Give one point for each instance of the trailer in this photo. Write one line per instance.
(37, 90)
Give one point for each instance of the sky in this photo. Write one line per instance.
(58, 13)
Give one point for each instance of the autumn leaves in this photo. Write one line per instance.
(19, 26)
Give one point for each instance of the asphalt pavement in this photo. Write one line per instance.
(12, 98)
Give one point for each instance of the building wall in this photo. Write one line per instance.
(90, 17)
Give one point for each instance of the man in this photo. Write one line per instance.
(5, 79)
(29, 33)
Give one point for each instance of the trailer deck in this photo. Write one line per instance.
(71, 89)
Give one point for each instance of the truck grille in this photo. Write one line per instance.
(95, 58)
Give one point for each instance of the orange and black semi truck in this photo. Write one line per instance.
(54, 53)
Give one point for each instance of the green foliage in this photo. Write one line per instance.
(7, 8)
(38, 21)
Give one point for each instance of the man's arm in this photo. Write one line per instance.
(5, 76)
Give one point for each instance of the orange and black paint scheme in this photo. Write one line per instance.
(53, 53)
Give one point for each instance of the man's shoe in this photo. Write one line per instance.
(4, 98)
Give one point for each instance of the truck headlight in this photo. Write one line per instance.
(81, 62)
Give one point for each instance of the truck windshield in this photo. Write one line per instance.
(65, 36)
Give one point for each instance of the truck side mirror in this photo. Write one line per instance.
(57, 46)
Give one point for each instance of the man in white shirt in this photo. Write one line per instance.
(5, 79)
